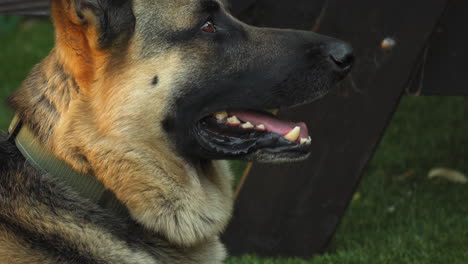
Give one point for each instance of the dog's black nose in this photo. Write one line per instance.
(341, 54)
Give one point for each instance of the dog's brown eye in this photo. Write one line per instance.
(209, 27)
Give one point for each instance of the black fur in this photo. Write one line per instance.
(116, 19)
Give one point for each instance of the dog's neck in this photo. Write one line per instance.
(44, 96)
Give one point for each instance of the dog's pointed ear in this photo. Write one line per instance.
(105, 22)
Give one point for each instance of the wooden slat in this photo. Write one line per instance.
(24, 7)
(294, 210)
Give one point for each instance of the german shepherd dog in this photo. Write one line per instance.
(131, 114)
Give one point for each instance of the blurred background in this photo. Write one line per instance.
(397, 215)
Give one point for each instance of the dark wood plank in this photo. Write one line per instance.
(24, 7)
(443, 65)
(294, 210)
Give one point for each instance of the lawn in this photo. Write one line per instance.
(398, 214)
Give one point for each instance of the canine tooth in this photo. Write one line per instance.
(233, 120)
(293, 135)
(221, 115)
(261, 127)
(247, 125)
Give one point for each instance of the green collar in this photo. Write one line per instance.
(43, 160)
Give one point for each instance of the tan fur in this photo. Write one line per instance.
(14, 249)
(102, 244)
(77, 43)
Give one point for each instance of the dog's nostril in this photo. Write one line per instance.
(342, 55)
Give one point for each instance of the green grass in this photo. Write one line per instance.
(21, 46)
(397, 216)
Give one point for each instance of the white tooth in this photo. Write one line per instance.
(306, 141)
(233, 120)
(293, 135)
(261, 127)
(221, 115)
(247, 125)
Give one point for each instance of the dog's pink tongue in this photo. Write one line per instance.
(271, 124)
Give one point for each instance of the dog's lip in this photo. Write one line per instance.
(247, 143)
(224, 134)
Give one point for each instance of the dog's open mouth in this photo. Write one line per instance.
(242, 132)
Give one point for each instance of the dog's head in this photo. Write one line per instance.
(186, 74)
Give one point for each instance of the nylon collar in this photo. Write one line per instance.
(45, 161)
